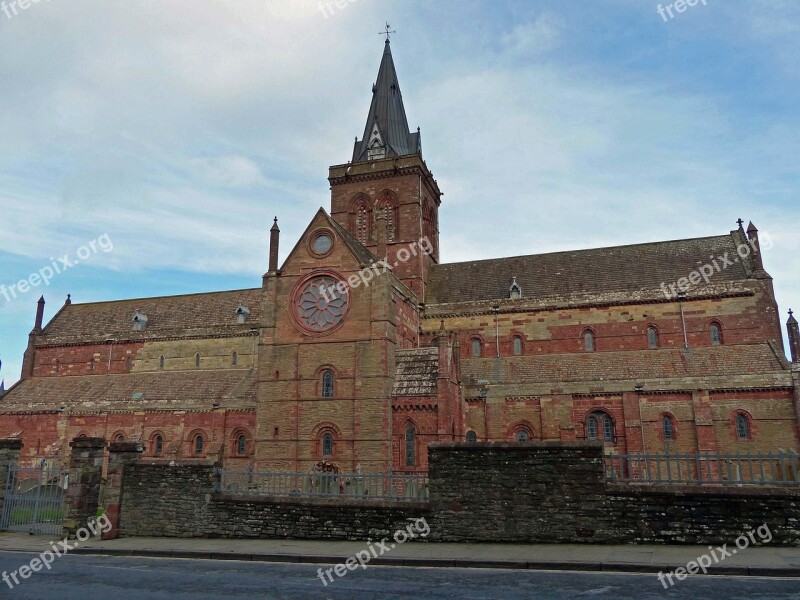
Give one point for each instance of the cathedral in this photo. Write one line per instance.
(362, 347)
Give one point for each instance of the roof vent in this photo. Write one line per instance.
(139, 321)
(242, 314)
(515, 292)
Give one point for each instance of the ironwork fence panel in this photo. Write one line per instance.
(705, 468)
(363, 486)
(34, 500)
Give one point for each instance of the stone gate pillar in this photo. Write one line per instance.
(85, 476)
(10, 450)
(120, 455)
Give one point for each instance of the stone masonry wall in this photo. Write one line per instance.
(496, 492)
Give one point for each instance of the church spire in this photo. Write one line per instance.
(386, 132)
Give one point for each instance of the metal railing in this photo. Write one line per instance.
(705, 468)
(381, 486)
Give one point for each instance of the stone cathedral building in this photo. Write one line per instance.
(362, 347)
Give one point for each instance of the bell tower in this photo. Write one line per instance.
(387, 176)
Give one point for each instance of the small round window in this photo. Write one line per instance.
(322, 243)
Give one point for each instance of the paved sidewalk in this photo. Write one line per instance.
(755, 561)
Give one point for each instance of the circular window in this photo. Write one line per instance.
(322, 243)
(320, 303)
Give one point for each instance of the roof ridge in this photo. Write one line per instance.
(641, 244)
(144, 298)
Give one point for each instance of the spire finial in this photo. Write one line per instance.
(389, 31)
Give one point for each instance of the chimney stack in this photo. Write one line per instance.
(274, 239)
(794, 337)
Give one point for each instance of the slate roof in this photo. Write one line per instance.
(190, 315)
(416, 372)
(625, 269)
(162, 390)
(364, 256)
(388, 111)
(704, 362)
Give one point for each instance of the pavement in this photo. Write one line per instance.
(753, 561)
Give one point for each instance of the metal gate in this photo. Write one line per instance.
(34, 500)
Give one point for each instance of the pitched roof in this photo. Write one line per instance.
(601, 367)
(163, 390)
(416, 372)
(388, 112)
(168, 316)
(597, 271)
(361, 252)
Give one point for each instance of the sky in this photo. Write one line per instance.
(153, 141)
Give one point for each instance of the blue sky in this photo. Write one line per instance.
(179, 128)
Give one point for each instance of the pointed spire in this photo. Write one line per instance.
(2, 387)
(794, 337)
(37, 326)
(792, 320)
(751, 228)
(274, 241)
(386, 132)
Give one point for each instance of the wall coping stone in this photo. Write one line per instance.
(731, 491)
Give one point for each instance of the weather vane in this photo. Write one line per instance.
(388, 31)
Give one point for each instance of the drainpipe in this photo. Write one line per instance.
(681, 299)
(496, 311)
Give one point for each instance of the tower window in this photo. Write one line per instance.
(158, 446)
(517, 345)
(411, 446)
(652, 338)
(327, 384)
(234, 358)
(241, 445)
(197, 360)
(161, 362)
(198, 444)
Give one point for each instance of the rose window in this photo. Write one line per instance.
(320, 306)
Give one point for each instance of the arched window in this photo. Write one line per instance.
(327, 444)
(411, 446)
(588, 341)
(198, 444)
(362, 217)
(522, 436)
(386, 202)
(476, 347)
(197, 360)
(120, 437)
(668, 427)
(742, 427)
(161, 362)
(234, 358)
(517, 345)
(599, 426)
(472, 437)
(327, 384)
(241, 444)
(158, 445)
(652, 337)
(715, 333)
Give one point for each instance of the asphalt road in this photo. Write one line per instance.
(122, 578)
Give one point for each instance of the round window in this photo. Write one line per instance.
(320, 305)
(322, 243)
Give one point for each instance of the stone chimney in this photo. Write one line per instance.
(274, 239)
(28, 359)
(794, 337)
